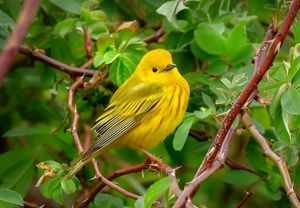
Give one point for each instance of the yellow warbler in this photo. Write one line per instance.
(144, 110)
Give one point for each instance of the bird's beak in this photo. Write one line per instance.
(169, 67)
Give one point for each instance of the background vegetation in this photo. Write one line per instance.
(213, 44)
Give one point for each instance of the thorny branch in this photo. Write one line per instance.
(99, 186)
(210, 159)
(10, 50)
(287, 183)
(195, 183)
(151, 162)
(251, 85)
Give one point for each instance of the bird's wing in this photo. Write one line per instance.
(125, 111)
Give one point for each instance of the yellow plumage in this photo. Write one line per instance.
(144, 110)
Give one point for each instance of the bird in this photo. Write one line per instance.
(144, 110)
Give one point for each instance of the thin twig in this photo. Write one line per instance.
(167, 169)
(72, 109)
(244, 200)
(155, 37)
(125, 171)
(197, 136)
(86, 137)
(234, 165)
(88, 44)
(250, 87)
(287, 183)
(39, 55)
(10, 50)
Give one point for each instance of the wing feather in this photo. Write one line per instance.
(124, 113)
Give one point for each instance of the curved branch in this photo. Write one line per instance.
(37, 54)
(10, 50)
(287, 183)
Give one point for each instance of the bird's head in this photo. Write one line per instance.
(157, 65)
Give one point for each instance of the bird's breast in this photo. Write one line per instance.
(161, 121)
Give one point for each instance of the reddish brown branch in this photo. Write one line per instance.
(250, 87)
(151, 162)
(133, 169)
(88, 44)
(39, 55)
(287, 183)
(155, 37)
(234, 165)
(190, 187)
(10, 50)
(197, 136)
(208, 165)
(72, 109)
(244, 200)
(167, 169)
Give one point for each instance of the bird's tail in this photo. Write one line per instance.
(75, 169)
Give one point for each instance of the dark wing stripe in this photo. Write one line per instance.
(112, 135)
(118, 126)
(103, 127)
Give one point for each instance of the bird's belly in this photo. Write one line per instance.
(156, 126)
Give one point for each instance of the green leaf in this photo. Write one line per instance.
(110, 56)
(275, 108)
(237, 46)
(76, 44)
(216, 43)
(16, 170)
(67, 5)
(108, 201)
(171, 8)
(290, 101)
(5, 20)
(23, 132)
(285, 119)
(11, 197)
(181, 133)
(209, 102)
(155, 190)
(274, 182)
(65, 26)
(68, 186)
(256, 157)
(204, 113)
(239, 177)
(295, 65)
(124, 66)
(217, 68)
(98, 60)
(261, 116)
(139, 203)
(58, 195)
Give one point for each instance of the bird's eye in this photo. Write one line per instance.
(154, 69)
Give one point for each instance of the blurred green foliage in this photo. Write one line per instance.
(212, 43)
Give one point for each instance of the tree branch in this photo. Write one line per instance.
(10, 50)
(244, 200)
(250, 87)
(39, 55)
(287, 183)
(72, 109)
(155, 37)
(197, 181)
